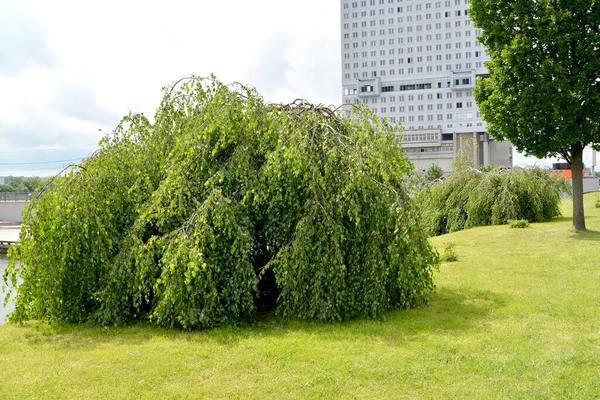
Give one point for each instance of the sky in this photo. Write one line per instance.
(69, 70)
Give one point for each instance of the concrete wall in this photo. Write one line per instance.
(501, 154)
(424, 160)
(485, 151)
(10, 211)
(590, 184)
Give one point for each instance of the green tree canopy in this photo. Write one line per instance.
(221, 203)
(434, 171)
(22, 184)
(543, 93)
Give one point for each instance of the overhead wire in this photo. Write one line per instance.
(43, 162)
(49, 149)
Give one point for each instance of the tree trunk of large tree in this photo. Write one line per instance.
(577, 179)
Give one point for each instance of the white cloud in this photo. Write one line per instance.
(82, 65)
(23, 43)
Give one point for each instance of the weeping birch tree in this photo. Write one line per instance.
(224, 206)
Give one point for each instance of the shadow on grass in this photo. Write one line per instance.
(560, 219)
(450, 311)
(586, 235)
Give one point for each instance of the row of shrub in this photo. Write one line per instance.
(490, 196)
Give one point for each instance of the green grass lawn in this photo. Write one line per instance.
(517, 316)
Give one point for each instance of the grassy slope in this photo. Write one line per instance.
(516, 317)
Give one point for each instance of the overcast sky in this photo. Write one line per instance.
(70, 68)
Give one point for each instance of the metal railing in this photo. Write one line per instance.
(14, 196)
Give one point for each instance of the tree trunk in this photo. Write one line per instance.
(577, 179)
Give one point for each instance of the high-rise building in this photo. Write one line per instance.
(416, 62)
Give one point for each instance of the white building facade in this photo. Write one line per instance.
(416, 62)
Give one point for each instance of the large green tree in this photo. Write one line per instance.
(543, 93)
